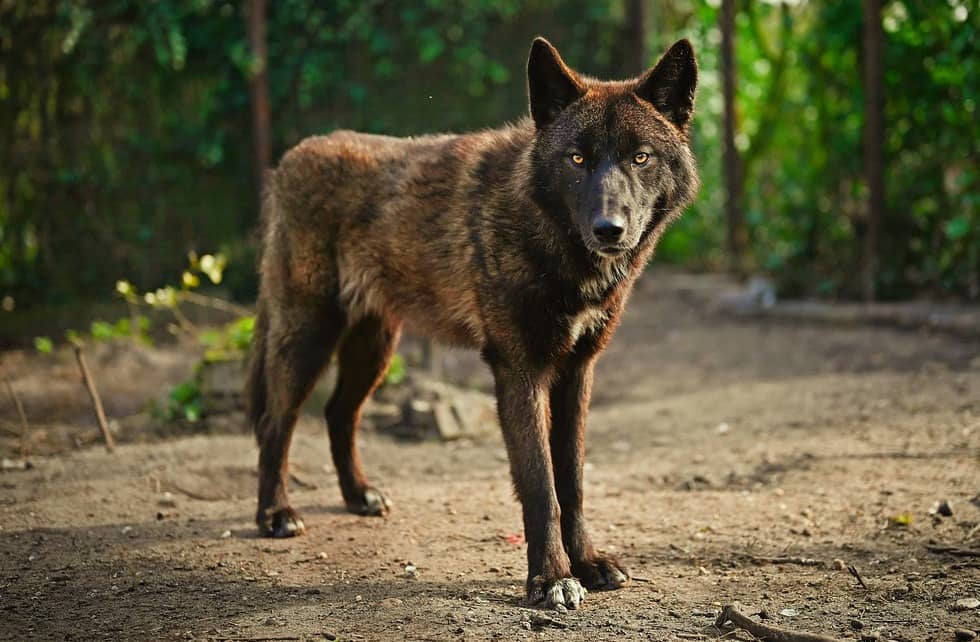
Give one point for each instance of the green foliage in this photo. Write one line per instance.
(397, 371)
(800, 105)
(185, 402)
(127, 134)
(43, 345)
(124, 328)
(230, 342)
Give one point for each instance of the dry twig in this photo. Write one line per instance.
(955, 551)
(93, 393)
(853, 571)
(216, 303)
(764, 631)
(25, 428)
(798, 561)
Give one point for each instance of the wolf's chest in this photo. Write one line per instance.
(586, 321)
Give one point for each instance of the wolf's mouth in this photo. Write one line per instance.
(611, 251)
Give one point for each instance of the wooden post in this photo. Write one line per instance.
(874, 135)
(731, 161)
(259, 90)
(636, 40)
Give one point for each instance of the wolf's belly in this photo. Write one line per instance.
(431, 303)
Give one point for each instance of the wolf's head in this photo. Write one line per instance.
(613, 157)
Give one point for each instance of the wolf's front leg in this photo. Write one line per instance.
(522, 402)
(570, 394)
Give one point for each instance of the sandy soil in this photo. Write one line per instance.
(729, 461)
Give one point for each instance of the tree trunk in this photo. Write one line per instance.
(731, 162)
(635, 41)
(874, 134)
(259, 89)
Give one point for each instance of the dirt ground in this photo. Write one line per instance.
(730, 460)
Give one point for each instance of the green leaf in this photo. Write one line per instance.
(185, 392)
(957, 228)
(44, 345)
(396, 371)
(102, 331)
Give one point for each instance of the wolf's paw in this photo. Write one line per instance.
(372, 502)
(566, 591)
(601, 572)
(284, 522)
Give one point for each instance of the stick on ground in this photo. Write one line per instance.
(93, 393)
(799, 561)
(853, 571)
(25, 428)
(766, 632)
(954, 550)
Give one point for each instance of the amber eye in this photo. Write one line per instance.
(578, 159)
(641, 158)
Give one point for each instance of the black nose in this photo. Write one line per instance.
(607, 231)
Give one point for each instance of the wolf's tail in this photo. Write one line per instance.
(256, 385)
(256, 388)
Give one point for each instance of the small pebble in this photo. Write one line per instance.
(964, 635)
(225, 534)
(321, 555)
(561, 608)
(966, 604)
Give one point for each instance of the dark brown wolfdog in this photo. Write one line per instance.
(522, 242)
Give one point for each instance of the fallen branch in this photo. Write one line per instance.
(93, 393)
(302, 483)
(197, 496)
(766, 632)
(953, 550)
(216, 303)
(25, 428)
(798, 561)
(853, 571)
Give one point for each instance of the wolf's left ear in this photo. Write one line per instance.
(551, 85)
(670, 85)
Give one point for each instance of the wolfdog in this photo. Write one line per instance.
(522, 242)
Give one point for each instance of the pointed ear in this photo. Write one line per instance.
(670, 85)
(551, 85)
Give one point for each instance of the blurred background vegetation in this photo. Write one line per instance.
(128, 128)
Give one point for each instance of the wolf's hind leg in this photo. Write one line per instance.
(363, 360)
(296, 342)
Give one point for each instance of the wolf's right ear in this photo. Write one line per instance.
(551, 85)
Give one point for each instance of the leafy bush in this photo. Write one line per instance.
(230, 342)
(184, 402)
